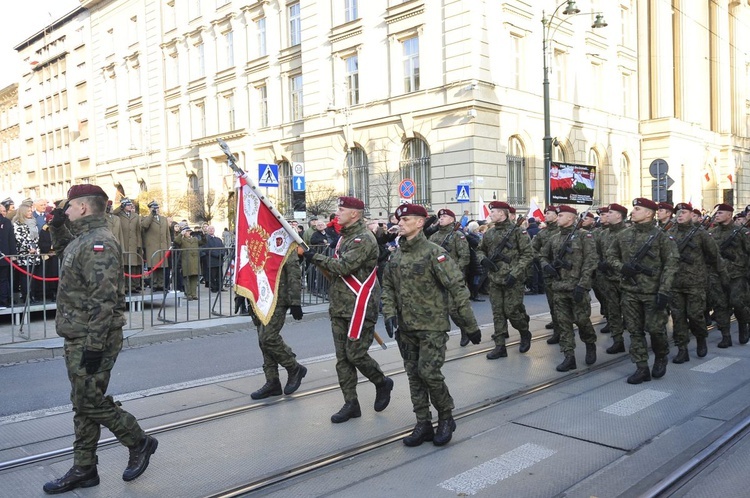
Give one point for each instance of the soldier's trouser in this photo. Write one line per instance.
(507, 304)
(641, 317)
(687, 315)
(191, 285)
(91, 407)
(352, 356)
(157, 278)
(569, 312)
(424, 355)
(550, 303)
(274, 349)
(599, 286)
(613, 296)
(724, 304)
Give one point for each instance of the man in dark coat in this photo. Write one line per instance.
(7, 246)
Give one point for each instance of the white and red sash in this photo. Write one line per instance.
(363, 291)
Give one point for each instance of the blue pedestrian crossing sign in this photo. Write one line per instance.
(268, 175)
(463, 193)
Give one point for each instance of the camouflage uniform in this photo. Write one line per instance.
(272, 345)
(536, 244)
(730, 294)
(419, 282)
(609, 280)
(357, 255)
(639, 308)
(455, 243)
(90, 315)
(507, 302)
(581, 257)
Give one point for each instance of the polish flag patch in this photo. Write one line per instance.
(357, 240)
(98, 247)
(441, 258)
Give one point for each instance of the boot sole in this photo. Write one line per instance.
(389, 383)
(82, 484)
(291, 389)
(149, 451)
(341, 421)
(419, 442)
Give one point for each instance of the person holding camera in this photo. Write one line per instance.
(157, 240)
(189, 242)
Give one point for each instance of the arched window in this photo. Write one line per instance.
(623, 190)
(193, 183)
(516, 172)
(415, 164)
(558, 153)
(285, 189)
(357, 175)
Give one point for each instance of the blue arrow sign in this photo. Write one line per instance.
(268, 175)
(298, 183)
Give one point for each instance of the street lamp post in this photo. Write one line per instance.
(548, 33)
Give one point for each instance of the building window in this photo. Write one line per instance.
(170, 17)
(350, 13)
(134, 80)
(623, 187)
(199, 120)
(263, 105)
(260, 26)
(173, 127)
(626, 101)
(597, 83)
(285, 189)
(228, 113)
(198, 62)
(295, 28)
(415, 164)
(516, 62)
(172, 69)
(295, 97)
(194, 9)
(357, 175)
(229, 49)
(136, 133)
(516, 172)
(352, 80)
(411, 64)
(558, 154)
(133, 31)
(558, 75)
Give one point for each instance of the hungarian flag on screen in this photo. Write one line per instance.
(263, 245)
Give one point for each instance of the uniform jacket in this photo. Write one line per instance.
(357, 255)
(418, 280)
(113, 222)
(156, 237)
(543, 236)
(289, 292)
(132, 239)
(191, 264)
(662, 258)
(582, 258)
(454, 242)
(519, 252)
(697, 258)
(604, 240)
(736, 255)
(7, 239)
(91, 291)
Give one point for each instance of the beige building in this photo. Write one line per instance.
(10, 145)
(365, 94)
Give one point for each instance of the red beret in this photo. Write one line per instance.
(698, 212)
(643, 202)
(619, 208)
(683, 205)
(511, 210)
(351, 203)
(410, 210)
(589, 214)
(564, 208)
(85, 190)
(724, 207)
(602, 210)
(499, 205)
(550, 208)
(741, 214)
(446, 212)
(665, 205)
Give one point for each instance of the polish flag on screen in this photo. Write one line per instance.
(535, 212)
(484, 211)
(263, 245)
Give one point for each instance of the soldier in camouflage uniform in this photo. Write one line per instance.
(90, 308)
(506, 267)
(568, 261)
(664, 212)
(730, 295)
(698, 254)
(419, 283)
(646, 283)
(455, 243)
(550, 219)
(272, 345)
(610, 279)
(356, 258)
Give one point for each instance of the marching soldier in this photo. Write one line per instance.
(457, 247)
(698, 253)
(355, 294)
(730, 295)
(610, 281)
(419, 284)
(568, 261)
(550, 219)
(505, 252)
(664, 213)
(646, 258)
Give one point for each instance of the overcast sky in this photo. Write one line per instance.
(20, 20)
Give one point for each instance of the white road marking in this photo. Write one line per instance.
(635, 403)
(497, 469)
(715, 365)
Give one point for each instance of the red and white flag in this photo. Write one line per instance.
(263, 245)
(484, 211)
(535, 212)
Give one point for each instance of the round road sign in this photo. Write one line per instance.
(407, 188)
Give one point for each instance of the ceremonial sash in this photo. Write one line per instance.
(363, 291)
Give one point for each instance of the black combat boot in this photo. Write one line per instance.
(383, 394)
(140, 454)
(660, 367)
(270, 388)
(498, 352)
(554, 339)
(444, 431)
(616, 347)
(682, 356)
(590, 354)
(726, 340)
(744, 332)
(422, 432)
(605, 329)
(550, 326)
(349, 410)
(464, 339)
(701, 349)
(78, 476)
(525, 342)
(641, 374)
(295, 379)
(569, 363)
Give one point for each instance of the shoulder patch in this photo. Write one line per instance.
(357, 240)
(524, 231)
(589, 235)
(671, 237)
(98, 246)
(441, 258)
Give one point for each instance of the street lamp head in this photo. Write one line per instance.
(571, 8)
(599, 22)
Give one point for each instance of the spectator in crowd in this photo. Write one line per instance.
(320, 237)
(10, 208)
(189, 242)
(311, 228)
(215, 251)
(333, 229)
(7, 247)
(27, 240)
(39, 208)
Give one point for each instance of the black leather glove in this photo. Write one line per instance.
(475, 337)
(391, 325)
(629, 270)
(510, 281)
(662, 300)
(430, 220)
(58, 218)
(549, 271)
(309, 255)
(604, 267)
(579, 293)
(91, 360)
(296, 311)
(489, 265)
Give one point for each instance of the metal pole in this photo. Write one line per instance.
(547, 137)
